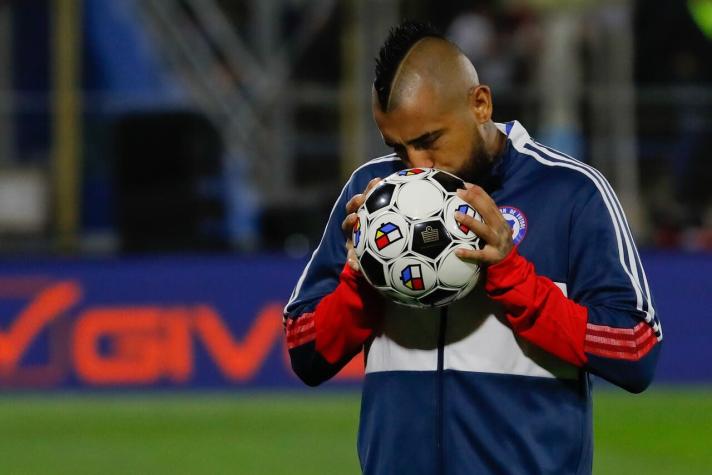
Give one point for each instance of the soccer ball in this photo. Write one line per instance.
(406, 235)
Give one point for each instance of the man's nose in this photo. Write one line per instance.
(420, 158)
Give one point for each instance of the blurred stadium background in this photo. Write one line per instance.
(166, 167)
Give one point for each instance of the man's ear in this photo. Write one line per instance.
(479, 100)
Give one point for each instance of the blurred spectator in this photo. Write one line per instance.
(681, 204)
(499, 43)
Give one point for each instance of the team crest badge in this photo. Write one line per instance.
(412, 277)
(387, 234)
(411, 172)
(516, 220)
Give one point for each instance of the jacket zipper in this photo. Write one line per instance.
(439, 428)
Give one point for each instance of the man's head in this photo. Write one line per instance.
(429, 105)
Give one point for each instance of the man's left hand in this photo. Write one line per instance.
(495, 231)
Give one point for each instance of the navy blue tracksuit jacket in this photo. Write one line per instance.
(497, 382)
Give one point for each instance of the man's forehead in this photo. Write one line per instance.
(404, 129)
(411, 118)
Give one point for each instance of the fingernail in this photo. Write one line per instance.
(469, 185)
(461, 192)
(459, 252)
(458, 215)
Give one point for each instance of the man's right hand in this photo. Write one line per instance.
(350, 221)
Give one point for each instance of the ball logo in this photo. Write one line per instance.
(411, 172)
(430, 235)
(516, 220)
(412, 277)
(357, 232)
(387, 234)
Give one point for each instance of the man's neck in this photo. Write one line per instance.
(495, 145)
(494, 141)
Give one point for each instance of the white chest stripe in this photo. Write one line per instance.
(562, 286)
(386, 354)
(475, 343)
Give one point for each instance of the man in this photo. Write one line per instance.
(498, 382)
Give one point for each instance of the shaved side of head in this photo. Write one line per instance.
(437, 64)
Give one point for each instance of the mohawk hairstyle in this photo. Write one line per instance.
(400, 40)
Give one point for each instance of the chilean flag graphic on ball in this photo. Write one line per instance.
(412, 277)
(465, 209)
(411, 172)
(387, 234)
(357, 233)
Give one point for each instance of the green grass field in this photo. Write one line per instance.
(663, 431)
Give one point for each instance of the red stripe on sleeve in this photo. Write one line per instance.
(300, 330)
(629, 344)
(604, 330)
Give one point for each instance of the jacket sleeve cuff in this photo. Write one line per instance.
(507, 273)
(346, 318)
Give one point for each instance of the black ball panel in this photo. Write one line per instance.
(380, 197)
(450, 183)
(430, 238)
(374, 269)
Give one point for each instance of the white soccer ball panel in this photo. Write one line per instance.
(419, 199)
(456, 229)
(412, 276)
(388, 235)
(454, 272)
(471, 285)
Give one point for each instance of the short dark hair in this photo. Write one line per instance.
(400, 40)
